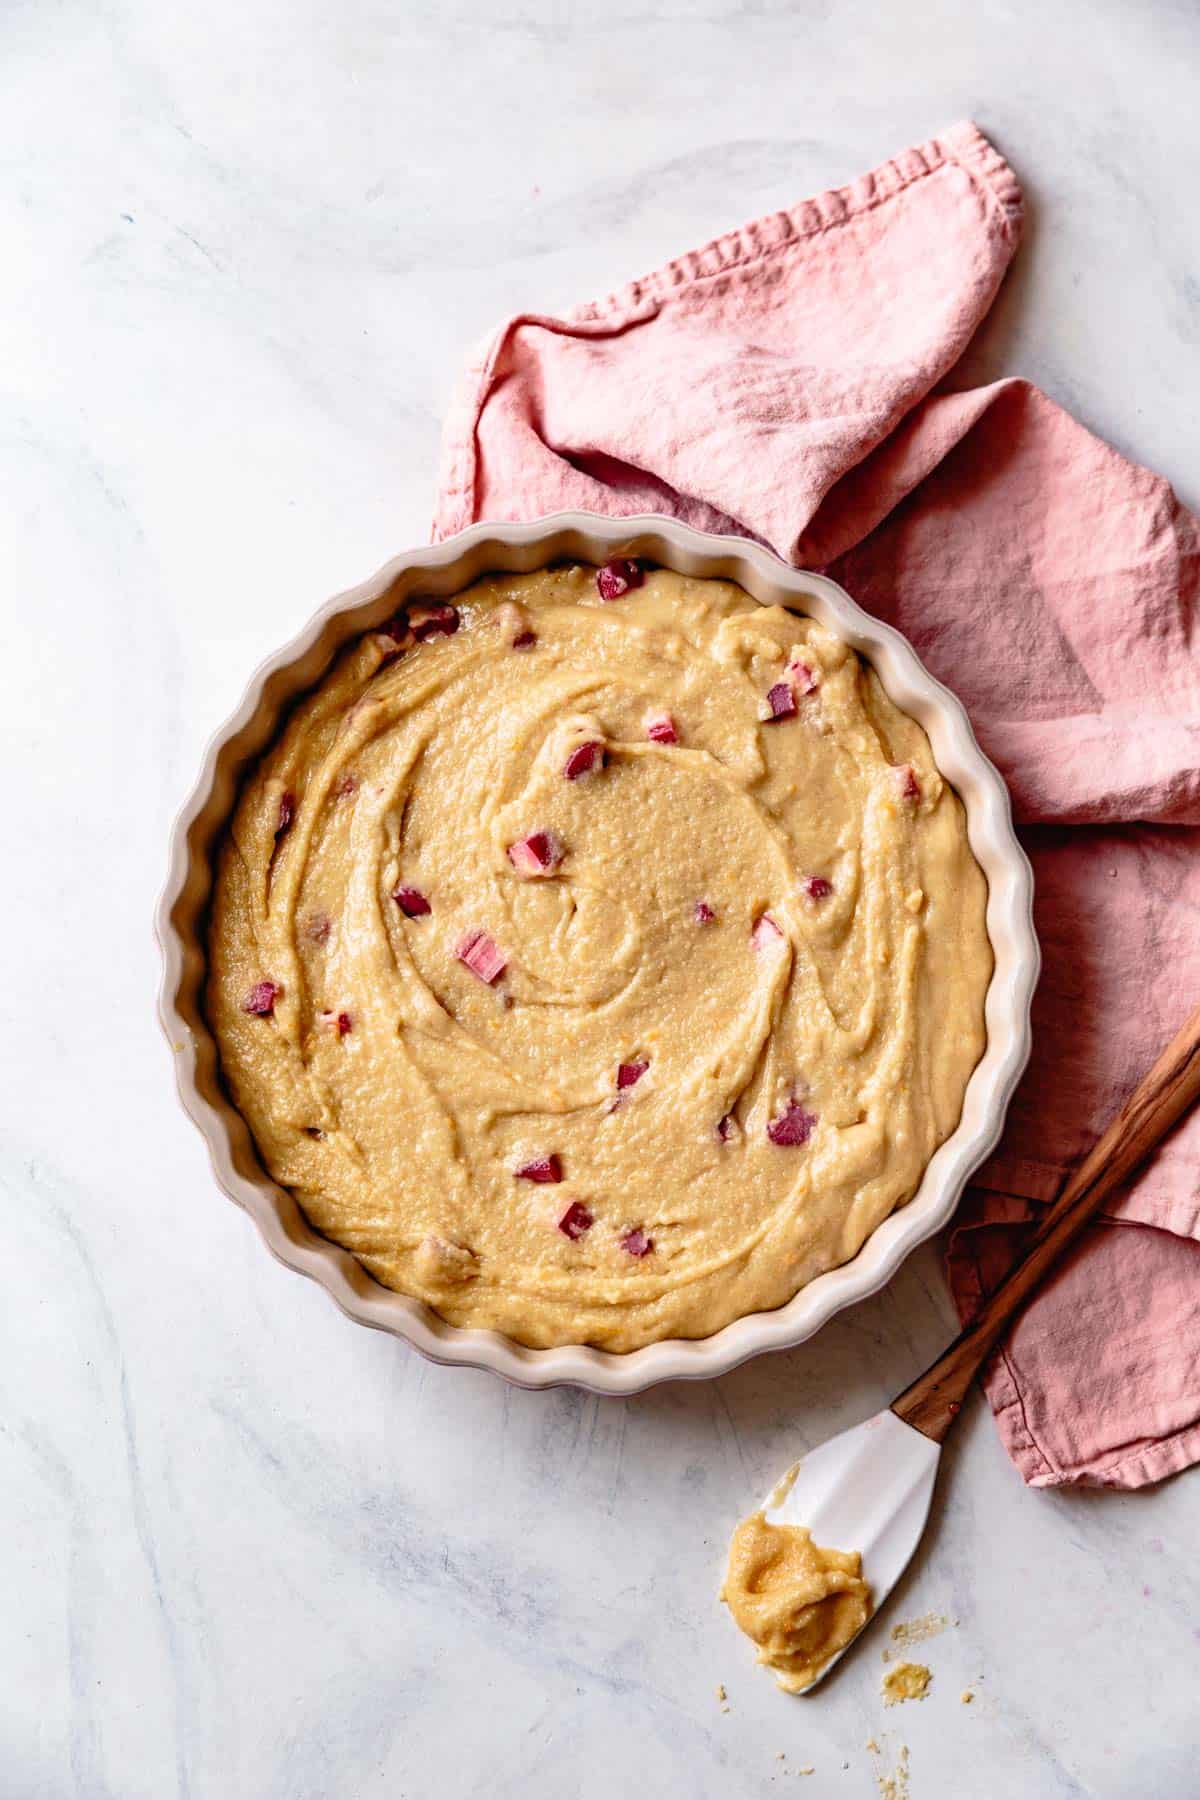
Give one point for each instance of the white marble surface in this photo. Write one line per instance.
(247, 1549)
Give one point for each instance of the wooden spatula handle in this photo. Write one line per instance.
(932, 1403)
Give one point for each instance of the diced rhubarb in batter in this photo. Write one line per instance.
(793, 1126)
(618, 577)
(538, 854)
(287, 811)
(636, 1243)
(524, 640)
(346, 786)
(781, 699)
(411, 901)
(260, 1001)
(703, 913)
(766, 934)
(629, 1074)
(394, 637)
(802, 677)
(906, 781)
(482, 955)
(576, 1220)
(584, 759)
(817, 888)
(433, 621)
(660, 728)
(726, 1128)
(542, 1168)
(345, 1024)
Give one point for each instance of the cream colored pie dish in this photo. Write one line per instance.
(599, 952)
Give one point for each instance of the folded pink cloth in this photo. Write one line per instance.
(788, 382)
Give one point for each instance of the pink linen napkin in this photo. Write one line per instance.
(789, 382)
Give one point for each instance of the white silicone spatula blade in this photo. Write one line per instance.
(868, 1489)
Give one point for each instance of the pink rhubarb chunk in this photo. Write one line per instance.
(260, 1001)
(524, 640)
(703, 913)
(287, 812)
(411, 901)
(433, 621)
(766, 934)
(618, 577)
(542, 1168)
(817, 888)
(576, 1220)
(793, 1126)
(345, 1024)
(636, 1243)
(660, 728)
(482, 955)
(726, 1128)
(782, 701)
(583, 759)
(802, 677)
(906, 781)
(629, 1074)
(538, 854)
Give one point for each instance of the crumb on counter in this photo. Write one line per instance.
(907, 1681)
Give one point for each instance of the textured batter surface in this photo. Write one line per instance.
(598, 969)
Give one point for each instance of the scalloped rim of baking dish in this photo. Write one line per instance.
(444, 569)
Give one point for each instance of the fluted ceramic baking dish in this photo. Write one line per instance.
(444, 569)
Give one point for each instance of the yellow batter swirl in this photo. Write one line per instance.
(598, 969)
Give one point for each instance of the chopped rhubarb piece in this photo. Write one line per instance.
(618, 577)
(260, 1001)
(629, 1074)
(433, 621)
(538, 854)
(482, 955)
(394, 637)
(542, 1168)
(703, 913)
(287, 811)
(660, 728)
(411, 901)
(906, 781)
(636, 1243)
(802, 677)
(726, 1128)
(345, 1024)
(524, 640)
(817, 888)
(346, 786)
(793, 1126)
(766, 934)
(782, 701)
(317, 927)
(583, 759)
(576, 1220)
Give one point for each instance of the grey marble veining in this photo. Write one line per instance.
(247, 1549)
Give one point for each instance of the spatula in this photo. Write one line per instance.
(869, 1489)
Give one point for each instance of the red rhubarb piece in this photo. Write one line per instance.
(726, 1128)
(906, 781)
(703, 913)
(782, 701)
(629, 1074)
(538, 854)
(817, 888)
(576, 1220)
(260, 1001)
(802, 677)
(433, 621)
(636, 1243)
(793, 1126)
(618, 577)
(524, 640)
(345, 1024)
(346, 786)
(583, 759)
(542, 1168)
(287, 811)
(482, 955)
(766, 934)
(394, 637)
(411, 901)
(660, 728)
